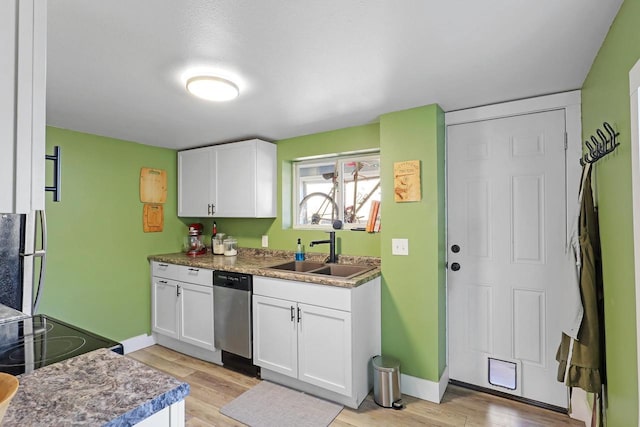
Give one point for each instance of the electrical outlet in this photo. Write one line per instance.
(400, 246)
(265, 241)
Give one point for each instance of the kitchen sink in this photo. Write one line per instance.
(299, 266)
(345, 271)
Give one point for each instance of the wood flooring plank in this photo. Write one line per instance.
(206, 414)
(215, 395)
(197, 422)
(162, 364)
(213, 386)
(164, 352)
(220, 372)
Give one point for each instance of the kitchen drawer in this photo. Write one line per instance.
(308, 293)
(163, 269)
(200, 276)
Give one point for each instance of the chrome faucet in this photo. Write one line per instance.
(332, 246)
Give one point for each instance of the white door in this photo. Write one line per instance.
(275, 340)
(196, 182)
(507, 217)
(196, 318)
(164, 307)
(324, 348)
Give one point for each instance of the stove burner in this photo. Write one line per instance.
(38, 341)
(49, 349)
(39, 328)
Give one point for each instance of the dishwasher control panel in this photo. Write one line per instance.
(228, 279)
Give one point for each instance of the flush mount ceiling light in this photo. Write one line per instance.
(212, 88)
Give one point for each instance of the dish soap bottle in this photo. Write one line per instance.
(299, 252)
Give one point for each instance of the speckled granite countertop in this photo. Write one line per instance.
(257, 261)
(8, 314)
(96, 388)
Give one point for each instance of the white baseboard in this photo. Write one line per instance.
(580, 406)
(425, 389)
(214, 356)
(137, 343)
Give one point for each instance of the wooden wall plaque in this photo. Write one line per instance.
(406, 181)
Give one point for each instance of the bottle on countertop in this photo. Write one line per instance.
(300, 251)
(214, 231)
(218, 244)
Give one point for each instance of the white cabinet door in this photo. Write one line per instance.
(8, 11)
(236, 179)
(23, 26)
(164, 307)
(324, 348)
(196, 182)
(275, 344)
(196, 308)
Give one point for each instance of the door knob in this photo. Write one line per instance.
(455, 266)
(455, 249)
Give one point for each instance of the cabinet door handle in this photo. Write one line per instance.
(194, 269)
(162, 281)
(209, 209)
(293, 313)
(178, 291)
(213, 208)
(163, 265)
(298, 314)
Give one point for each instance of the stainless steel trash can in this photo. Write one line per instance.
(386, 382)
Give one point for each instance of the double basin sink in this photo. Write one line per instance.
(344, 271)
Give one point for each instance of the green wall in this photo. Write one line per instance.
(97, 271)
(605, 97)
(281, 235)
(413, 291)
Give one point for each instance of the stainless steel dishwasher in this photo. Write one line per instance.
(232, 319)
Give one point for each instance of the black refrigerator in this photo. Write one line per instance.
(23, 243)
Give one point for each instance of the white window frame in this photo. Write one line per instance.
(339, 160)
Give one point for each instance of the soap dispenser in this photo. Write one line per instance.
(299, 252)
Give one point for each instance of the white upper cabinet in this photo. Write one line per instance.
(196, 182)
(236, 180)
(246, 184)
(23, 31)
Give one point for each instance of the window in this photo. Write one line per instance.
(335, 188)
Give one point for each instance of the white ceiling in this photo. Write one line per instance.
(304, 66)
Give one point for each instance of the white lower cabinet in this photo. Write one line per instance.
(182, 310)
(196, 314)
(275, 335)
(317, 338)
(302, 341)
(171, 416)
(165, 316)
(324, 348)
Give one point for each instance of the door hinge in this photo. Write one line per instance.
(566, 141)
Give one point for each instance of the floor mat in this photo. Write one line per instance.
(272, 405)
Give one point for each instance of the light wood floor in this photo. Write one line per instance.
(213, 386)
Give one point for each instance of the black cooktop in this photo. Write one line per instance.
(41, 340)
